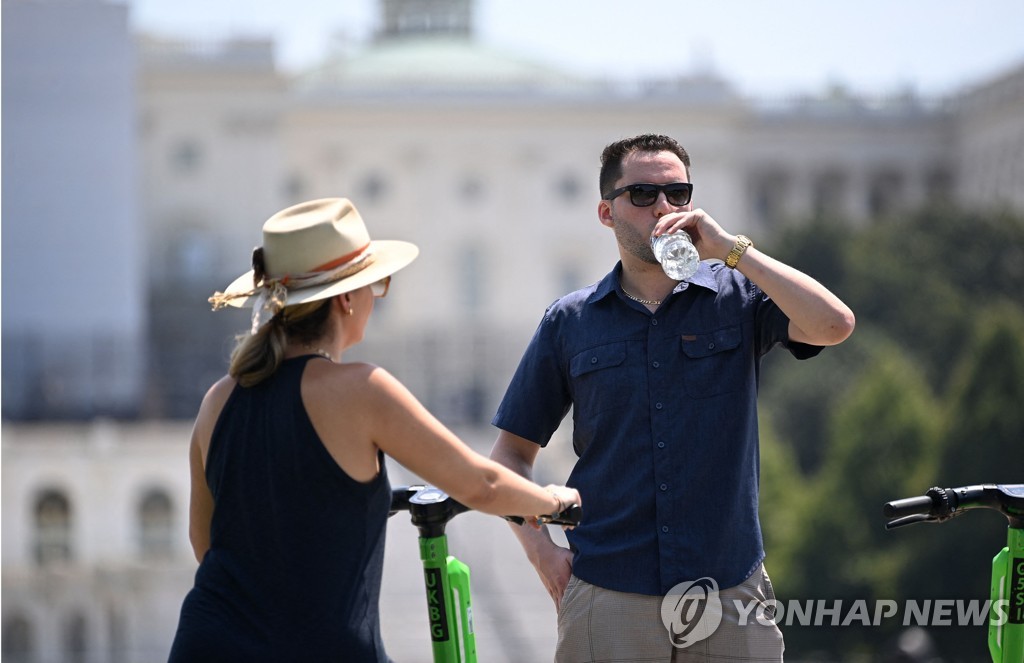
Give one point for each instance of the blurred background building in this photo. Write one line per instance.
(137, 172)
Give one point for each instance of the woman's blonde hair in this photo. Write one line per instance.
(257, 356)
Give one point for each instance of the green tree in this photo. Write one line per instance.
(940, 311)
(884, 440)
(916, 277)
(920, 277)
(800, 396)
(783, 492)
(985, 441)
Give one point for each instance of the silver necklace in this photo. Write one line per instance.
(319, 351)
(648, 302)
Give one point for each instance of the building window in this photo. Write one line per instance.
(471, 189)
(186, 157)
(195, 257)
(295, 188)
(885, 193)
(570, 277)
(17, 639)
(770, 194)
(373, 188)
(829, 191)
(52, 528)
(76, 646)
(156, 525)
(470, 279)
(568, 188)
(939, 184)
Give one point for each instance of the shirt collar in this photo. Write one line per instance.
(704, 277)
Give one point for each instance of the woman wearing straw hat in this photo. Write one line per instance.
(290, 494)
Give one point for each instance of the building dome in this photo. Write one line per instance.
(427, 47)
(425, 64)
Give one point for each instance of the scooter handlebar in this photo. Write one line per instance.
(941, 504)
(909, 506)
(431, 506)
(570, 517)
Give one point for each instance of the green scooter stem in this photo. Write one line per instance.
(447, 579)
(458, 574)
(440, 571)
(1006, 614)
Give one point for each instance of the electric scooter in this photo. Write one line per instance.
(1006, 610)
(449, 604)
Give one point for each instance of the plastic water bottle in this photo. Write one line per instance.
(677, 255)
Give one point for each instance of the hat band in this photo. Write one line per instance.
(272, 294)
(338, 262)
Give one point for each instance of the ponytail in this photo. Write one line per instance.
(257, 356)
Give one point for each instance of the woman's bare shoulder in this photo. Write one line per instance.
(361, 376)
(365, 387)
(218, 394)
(210, 409)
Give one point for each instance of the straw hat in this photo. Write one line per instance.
(311, 251)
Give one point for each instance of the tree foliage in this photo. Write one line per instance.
(928, 391)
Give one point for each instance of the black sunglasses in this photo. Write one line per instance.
(645, 195)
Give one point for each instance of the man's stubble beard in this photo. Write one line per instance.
(635, 243)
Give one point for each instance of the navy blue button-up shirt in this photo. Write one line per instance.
(664, 424)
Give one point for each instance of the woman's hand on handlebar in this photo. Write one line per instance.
(566, 498)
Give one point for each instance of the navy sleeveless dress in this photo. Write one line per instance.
(297, 546)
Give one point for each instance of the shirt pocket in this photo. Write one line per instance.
(713, 362)
(598, 377)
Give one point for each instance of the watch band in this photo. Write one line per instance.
(742, 244)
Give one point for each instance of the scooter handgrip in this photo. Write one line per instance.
(570, 517)
(908, 507)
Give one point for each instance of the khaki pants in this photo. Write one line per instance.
(597, 625)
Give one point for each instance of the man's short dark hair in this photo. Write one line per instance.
(614, 154)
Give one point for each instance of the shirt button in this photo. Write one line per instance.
(593, 360)
(661, 445)
(654, 321)
(656, 364)
(658, 406)
(663, 486)
(711, 346)
(664, 528)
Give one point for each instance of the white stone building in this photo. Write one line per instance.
(151, 194)
(96, 557)
(490, 164)
(487, 161)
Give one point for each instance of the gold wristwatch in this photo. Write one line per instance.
(742, 244)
